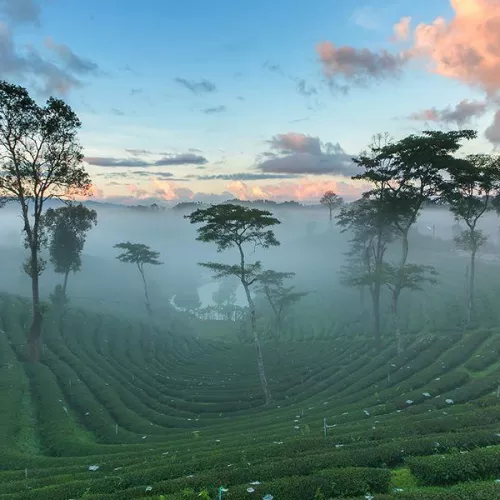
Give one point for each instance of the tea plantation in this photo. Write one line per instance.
(103, 418)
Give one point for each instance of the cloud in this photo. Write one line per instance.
(358, 66)
(201, 87)
(21, 11)
(467, 48)
(215, 110)
(462, 113)
(243, 176)
(181, 159)
(195, 150)
(293, 142)
(170, 159)
(402, 29)
(29, 66)
(299, 120)
(136, 91)
(117, 112)
(116, 162)
(274, 68)
(301, 154)
(365, 17)
(492, 133)
(304, 89)
(139, 152)
(305, 190)
(150, 173)
(73, 62)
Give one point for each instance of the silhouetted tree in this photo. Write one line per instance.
(225, 297)
(369, 220)
(474, 182)
(229, 225)
(68, 227)
(40, 159)
(140, 255)
(406, 174)
(332, 201)
(280, 298)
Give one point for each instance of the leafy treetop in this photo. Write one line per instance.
(40, 156)
(229, 225)
(138, 253)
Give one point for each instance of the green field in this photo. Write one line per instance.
(180, 422)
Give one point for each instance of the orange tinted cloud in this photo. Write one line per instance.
(402, 29)
(467, 48)
(304, 190)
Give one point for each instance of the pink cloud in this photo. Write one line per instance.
(460, 114)
(467, 48)
(305, 190)
(358, 65)
(402, 29)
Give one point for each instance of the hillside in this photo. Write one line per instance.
(191, 417)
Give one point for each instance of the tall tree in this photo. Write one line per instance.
(474, 183)
(332, 201)
(407, 174)
(140, 255)
(68, 227)
(369, 220)
(280, 298)
(229, 226)
(40, 158)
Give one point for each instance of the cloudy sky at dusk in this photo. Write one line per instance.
(253, 98)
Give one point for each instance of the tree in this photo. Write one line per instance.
(225, 297)
(332, 201)
(280, 298)
(407, 174)
(474, 183)
(40, 159)
(370, 222)
(139, 254)
(188, 299)
(68, 227)
(228, 226)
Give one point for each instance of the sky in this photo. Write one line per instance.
(206, 101)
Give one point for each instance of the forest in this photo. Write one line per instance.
(248, 349)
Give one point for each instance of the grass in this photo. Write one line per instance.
(190, 417)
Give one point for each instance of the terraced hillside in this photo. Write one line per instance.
(102, 418)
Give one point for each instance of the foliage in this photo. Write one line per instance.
(229, 225)
(332, 201)
(40, 159)
(67, 227)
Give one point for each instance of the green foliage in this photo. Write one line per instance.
(456, 467)
(229, 225)
(67, 227)
(137, 253)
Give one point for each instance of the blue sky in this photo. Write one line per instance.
(238, 89)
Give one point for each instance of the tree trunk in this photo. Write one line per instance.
(65, 283)
(35, 332)
(472, 274)
(277, 338)
(150, 335)
(146, 295)
(395, 319)
(331, 216)
(260, 360)
(376, 315)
